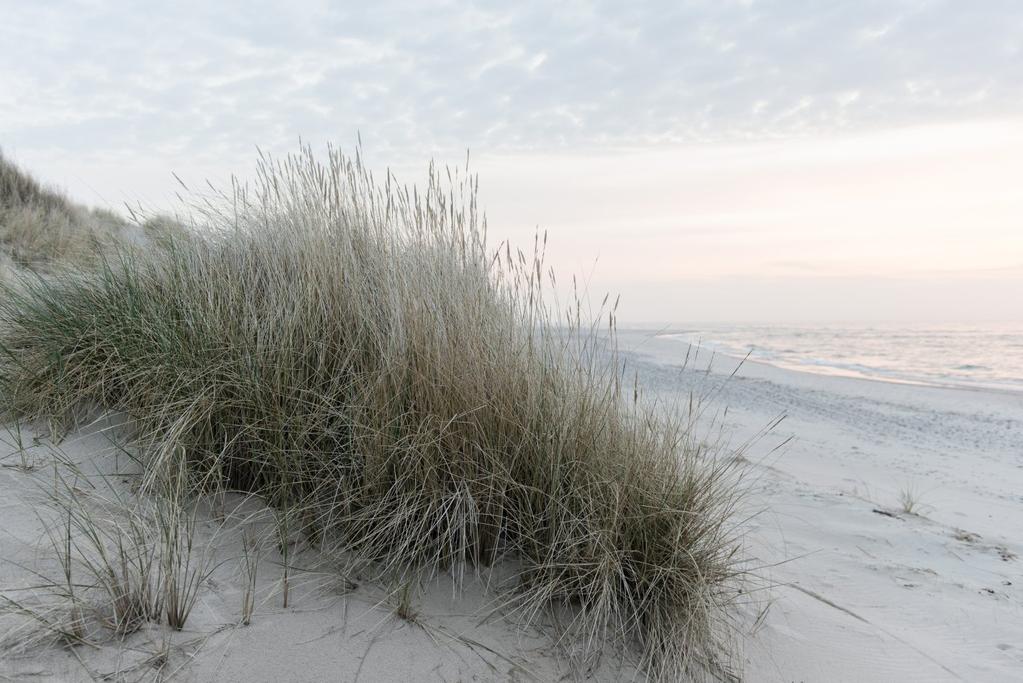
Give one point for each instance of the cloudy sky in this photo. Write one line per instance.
(758, 159)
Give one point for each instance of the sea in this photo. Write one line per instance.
(959, 355)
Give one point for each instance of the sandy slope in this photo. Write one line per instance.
(334, 628)
(857, 595)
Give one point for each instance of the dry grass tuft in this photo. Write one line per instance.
(909, 500)
(402, 394)
(123, 563)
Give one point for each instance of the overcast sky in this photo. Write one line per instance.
(763, 160)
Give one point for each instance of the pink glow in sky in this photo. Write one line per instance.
(709, 160)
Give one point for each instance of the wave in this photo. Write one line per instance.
(962, 356)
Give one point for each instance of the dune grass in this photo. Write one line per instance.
(402, 394)
(122, 563)
(40, 226)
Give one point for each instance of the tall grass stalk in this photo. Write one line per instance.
(183, 568)
(282, 529)
(250, 570)
(356, 354)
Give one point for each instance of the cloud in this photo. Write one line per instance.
(415, 77)
(680, 139)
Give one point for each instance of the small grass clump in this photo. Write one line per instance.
(909, 500)
(356, 355)
(123, 563)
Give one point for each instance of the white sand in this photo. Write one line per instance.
(856, 595)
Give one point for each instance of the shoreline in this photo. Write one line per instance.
(825, 368)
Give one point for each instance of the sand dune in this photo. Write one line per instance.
(858, 590)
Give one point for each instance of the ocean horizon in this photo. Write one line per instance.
(967, 355)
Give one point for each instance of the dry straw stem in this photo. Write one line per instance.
(356, 354)
(250, 566)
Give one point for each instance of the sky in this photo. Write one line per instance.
(710, 161)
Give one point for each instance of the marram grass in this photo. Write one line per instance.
(402, 394)
(40, 226)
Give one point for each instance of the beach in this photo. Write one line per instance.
(860, 589)
(582, 342)
(846, 585)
